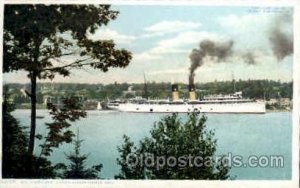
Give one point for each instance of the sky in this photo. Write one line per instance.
(161, 39)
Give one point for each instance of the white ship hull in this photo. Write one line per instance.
(247, 107)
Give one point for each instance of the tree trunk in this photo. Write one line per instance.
(33, 78)
(33, 114)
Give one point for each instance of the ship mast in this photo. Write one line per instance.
(145, 87)
(233, 80)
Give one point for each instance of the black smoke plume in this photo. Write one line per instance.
(281, 41)
(249, 58)
(217, 49)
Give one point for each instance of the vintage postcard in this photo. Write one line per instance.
(105, 93)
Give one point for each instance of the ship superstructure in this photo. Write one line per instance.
(230, 103)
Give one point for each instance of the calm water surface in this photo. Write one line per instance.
(239, 134)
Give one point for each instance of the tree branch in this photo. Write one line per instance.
(66, 54)
(27, 93)
(74, 64)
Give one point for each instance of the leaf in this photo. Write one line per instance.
(39, 136)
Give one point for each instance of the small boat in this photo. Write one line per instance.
(99, 107)
(40, 117)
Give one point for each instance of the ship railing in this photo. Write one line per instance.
(219, 102)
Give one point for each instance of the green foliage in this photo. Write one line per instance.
(251, 89)
(34, 167)
(129, 170)
(14, 140)
(77, 169)
(16, 162)
(58, 133)
(41, 40)
(37, 35)
(171, 137)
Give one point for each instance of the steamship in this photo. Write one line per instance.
(231, 103)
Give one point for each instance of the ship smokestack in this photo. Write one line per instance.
(175, 93)
(192, 92)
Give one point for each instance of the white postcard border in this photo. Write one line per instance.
(294, 182)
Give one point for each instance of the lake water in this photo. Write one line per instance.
(240, 134)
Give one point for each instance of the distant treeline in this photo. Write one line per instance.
(251, 89)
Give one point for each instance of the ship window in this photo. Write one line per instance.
(151, 110)
(137, 108)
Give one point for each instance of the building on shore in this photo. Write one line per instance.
(279, 103)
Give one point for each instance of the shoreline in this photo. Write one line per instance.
(278, 110)
(267, 110)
